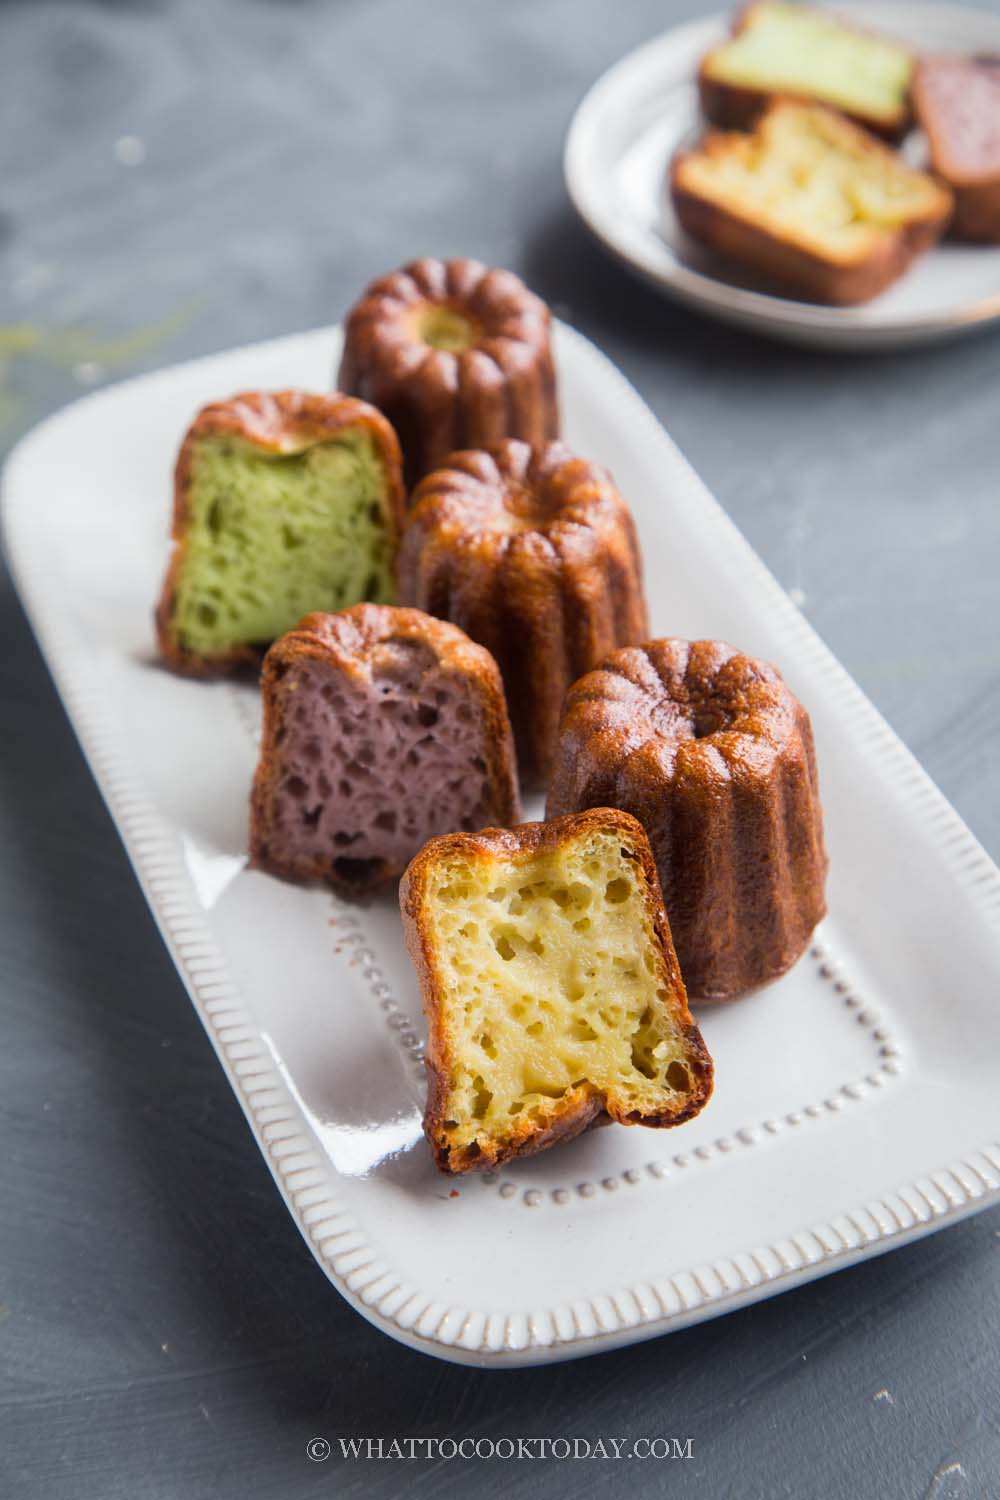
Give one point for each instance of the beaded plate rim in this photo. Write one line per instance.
(354, 939)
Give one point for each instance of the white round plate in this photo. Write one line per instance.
(629, 125)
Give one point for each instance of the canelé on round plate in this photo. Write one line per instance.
(957, 104)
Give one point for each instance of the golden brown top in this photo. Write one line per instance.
(511, 491)
(529, 840)
(368, 634)
(446, 314)
(693, 706)
(290, 420)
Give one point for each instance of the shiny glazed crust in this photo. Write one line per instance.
(736, 107)
(714, 755)
(977, 196)
(503, 385)
(796, 269)
(343, 641)
(582, 1107)
(278, 422)
(534, 554)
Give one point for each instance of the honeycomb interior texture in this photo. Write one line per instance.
(373, 764)
(552, 979)
(813, 178)
(272, 536)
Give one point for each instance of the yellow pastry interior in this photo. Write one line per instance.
(552, 980)
(446, 328)
(808, 175)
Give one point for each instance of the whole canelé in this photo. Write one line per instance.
(714, 755)
(533, 552)
(456, 355)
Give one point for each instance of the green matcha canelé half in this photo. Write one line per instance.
(284, 503)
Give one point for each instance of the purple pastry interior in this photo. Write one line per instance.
(965, 93)
(374, 765)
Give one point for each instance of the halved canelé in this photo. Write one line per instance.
(382, 728)
(552, 991)
(781, 50)
(284, 503)
(957, 104)
(819, 206)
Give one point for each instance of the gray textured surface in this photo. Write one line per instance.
(292, 150)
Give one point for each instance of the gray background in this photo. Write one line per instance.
(292, 151)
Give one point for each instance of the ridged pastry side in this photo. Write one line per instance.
(456, 354)
(534, 553)
(714, 755)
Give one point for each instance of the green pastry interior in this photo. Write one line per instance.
(272, 536)
(805, 51)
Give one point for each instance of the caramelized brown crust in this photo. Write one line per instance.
(976, 193)
(732, 107)
(343, 642)
(534, 553)
(791, 266)
(714, 755)
(579, 1108)
(278, 422)
(502, 385)
(736, 107)
(834, 275)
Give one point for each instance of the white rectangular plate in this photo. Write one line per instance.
(856, 1100)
